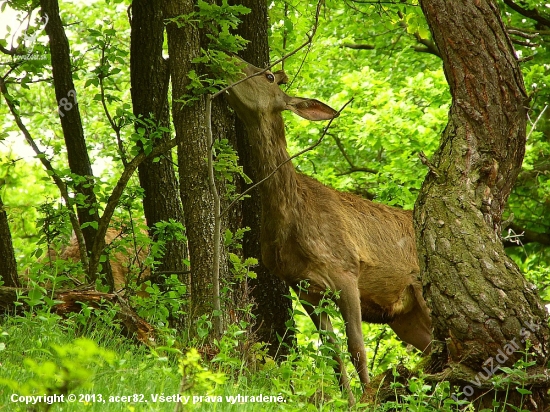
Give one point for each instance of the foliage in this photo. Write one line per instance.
(219, 21)
(226, 166)
(95, 366)
(401, 102)
(395, 113)
(68, 369)
(158, 305)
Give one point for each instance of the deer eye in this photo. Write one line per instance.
(270, 78)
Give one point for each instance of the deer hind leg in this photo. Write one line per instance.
(322, 322)
(415, 325)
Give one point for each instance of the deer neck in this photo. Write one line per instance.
(279, 193)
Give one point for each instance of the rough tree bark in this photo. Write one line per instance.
(189, 122)
(150, 76)
(71, 123)
(8, 264)
(268, 292)
(480, 301)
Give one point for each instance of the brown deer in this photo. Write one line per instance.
(121, 260)
(334, 240)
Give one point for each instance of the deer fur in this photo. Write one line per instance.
(334, 240)
(120, 260)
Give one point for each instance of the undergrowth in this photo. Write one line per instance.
(84, 357)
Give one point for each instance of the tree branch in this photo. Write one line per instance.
(532, 14)
(218, 328)
(528, 31)
(426, 45)
(11, 52)
(358, 46)
(353, 168)
(357, 170)
(114, 126)
(522, 33)
(525, 43)
(429, 46)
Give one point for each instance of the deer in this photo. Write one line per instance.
(120, 260)
(362, 250)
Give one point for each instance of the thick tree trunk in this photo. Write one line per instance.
(149, 78)
(189, 122)
(8, 264)
(272, 307)
(481, 304)
(71, 123)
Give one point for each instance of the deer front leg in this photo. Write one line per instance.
(349, 303)
(322, 322)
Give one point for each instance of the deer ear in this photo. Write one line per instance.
(280, 77)
(311, 109)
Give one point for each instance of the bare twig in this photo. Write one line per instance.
(526, 58)
(357, 169)
(529, 31)
(527, 236)
(525, 43)
(534, 126)
(521, 33)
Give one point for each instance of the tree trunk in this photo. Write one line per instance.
(481, 304)
(8, 264)
(268, 291)
(189, 122)
(149, 78)
(77, 152)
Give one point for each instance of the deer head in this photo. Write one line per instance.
(260, 96)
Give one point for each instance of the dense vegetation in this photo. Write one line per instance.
(379, 54)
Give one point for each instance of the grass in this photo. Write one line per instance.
(40, 355)
(86, 357)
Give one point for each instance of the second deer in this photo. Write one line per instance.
(333, 240)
